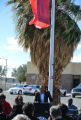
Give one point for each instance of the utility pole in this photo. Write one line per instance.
(6, 74)
(5, 70)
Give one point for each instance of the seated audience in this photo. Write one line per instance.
(55, 113)
(64, 110)
(5, 104)
(73, 110)
(79, 117)
(2, 114)
(17, 107)
(28, 109)
(21, 117)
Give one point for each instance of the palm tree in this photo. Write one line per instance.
(67, 36)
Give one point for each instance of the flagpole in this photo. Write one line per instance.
(51, 58)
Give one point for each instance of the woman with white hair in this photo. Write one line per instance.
(21, 117)
(55, 113)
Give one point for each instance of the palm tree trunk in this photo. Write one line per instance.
(56, 87)
(56, 96)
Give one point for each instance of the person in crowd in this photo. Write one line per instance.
(79, 117)
(2, 114)
(28, 109)
(64, 110)
(43, 95)
(17, 107)
(73, 110)
(55, 113)
(5, 104)
(21, 117)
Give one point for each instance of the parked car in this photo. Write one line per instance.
(63, 91)
(31, 89)
(76, 91)
(17, 89)
(1, 90)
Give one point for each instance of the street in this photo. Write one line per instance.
(29, 98)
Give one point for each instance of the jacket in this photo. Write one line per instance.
(6, 107)
(46, 96)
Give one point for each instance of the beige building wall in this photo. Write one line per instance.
(71, 75)
(32, 75)
(73, 68)
(31, 69)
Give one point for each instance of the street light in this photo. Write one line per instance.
(6, 71)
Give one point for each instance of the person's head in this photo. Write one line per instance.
(2, 98)
(55, 112)
(19, 99)
(70, 101)
(64, 109)
(42, 88)
(20, 117)
(28, 109)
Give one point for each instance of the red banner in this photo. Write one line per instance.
(41, 12)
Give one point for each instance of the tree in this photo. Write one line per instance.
(2, 71)
(19, 73)
(67, 37)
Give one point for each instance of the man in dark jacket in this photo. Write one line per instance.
(43, 95)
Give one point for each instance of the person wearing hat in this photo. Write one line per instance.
(5, 104)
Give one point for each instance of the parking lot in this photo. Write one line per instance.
(29, 98)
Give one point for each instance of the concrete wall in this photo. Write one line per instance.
(67, 81)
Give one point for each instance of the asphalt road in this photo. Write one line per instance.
(29, 98)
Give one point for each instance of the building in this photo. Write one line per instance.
(32, 76)
(71, 76)
(6, 83)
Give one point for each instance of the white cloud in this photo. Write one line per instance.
(10, 66)
(79, 46)
(76, 58)
(13, 45)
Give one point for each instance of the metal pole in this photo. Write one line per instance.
(51, 59)
(6, 71)
(6, 74)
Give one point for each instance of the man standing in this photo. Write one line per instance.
(43, 95)
(41, 102)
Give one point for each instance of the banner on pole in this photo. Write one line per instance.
(41, 12)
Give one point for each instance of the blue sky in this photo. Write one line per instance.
(9, 48)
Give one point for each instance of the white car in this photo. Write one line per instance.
(18, 89)
(31, 89)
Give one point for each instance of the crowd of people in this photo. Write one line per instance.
(27, 111)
